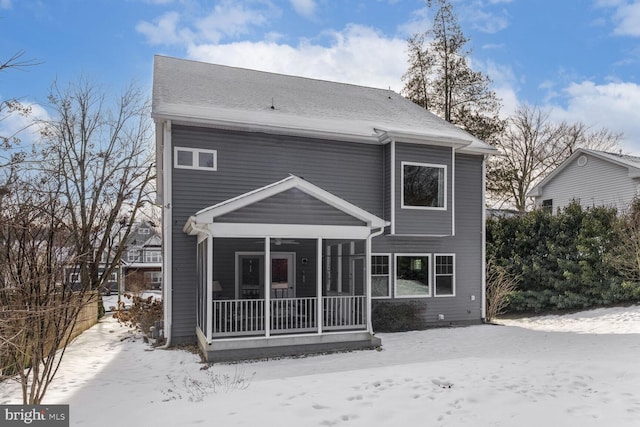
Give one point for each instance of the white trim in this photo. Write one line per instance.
(395, 275)
(320, 313)
(393, 186)
(483, 238)
(453, 191)
(209, 288)
(339, 268)
(388, 255)
(167, 220)
(301, 231)
(209, 214)
(424, 208)
(195, 158)
(435, 275)
(267, 286)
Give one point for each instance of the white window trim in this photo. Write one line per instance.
(388, 255)
(133, 255)
(144, 231)
(453, 278)
(195, 152)
(429, 275)
(429, 165)
(74, 277)
(152, 256)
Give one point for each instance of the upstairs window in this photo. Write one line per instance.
(424, 186)
(195, 158)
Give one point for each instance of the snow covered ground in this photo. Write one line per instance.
(571, 370)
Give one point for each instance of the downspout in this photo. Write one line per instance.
(368, 276)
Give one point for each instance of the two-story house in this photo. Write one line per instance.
(591, 178)
(140, 265)
(291, 206)
(142, 260)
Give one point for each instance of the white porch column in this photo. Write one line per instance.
(209, 287)
(267, 286)
(319, 284)
(367, 291)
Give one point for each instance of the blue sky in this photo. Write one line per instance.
(580, 59)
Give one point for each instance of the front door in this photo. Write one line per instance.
(282, 276)
(250, 278)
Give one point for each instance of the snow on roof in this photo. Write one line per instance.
(240, 98)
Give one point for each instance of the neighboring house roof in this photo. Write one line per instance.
(208, 215)
(242, 99)
(632, 163)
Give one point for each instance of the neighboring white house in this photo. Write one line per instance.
(592, 178)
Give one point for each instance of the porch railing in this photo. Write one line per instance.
(344, 312)
(246, 317)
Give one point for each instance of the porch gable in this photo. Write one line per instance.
(276, 204)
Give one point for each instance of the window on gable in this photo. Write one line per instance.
(445, 275)
(412, 275)
(195, 158)
(380, 283)
(424, 186)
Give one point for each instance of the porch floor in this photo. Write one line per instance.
(229, 350)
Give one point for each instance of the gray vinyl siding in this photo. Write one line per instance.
(422, 221)
(290, 207)
(466, 245)
(598, 183)
(247, 161)
(354, 172)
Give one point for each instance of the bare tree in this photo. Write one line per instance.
(37, 314)
(8, 142)
(532, 146)
(102, 156)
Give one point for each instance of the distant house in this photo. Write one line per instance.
(592, 178)
(141, 262)
(292, 207)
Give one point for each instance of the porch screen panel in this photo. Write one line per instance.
(201, 263)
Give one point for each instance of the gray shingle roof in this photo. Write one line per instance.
(196, 91)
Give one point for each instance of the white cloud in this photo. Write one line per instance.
(628, 19)
(305, 8)
(164, 30)
(227, 19)
(613, 105)
(626, 16)
(347, 57)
